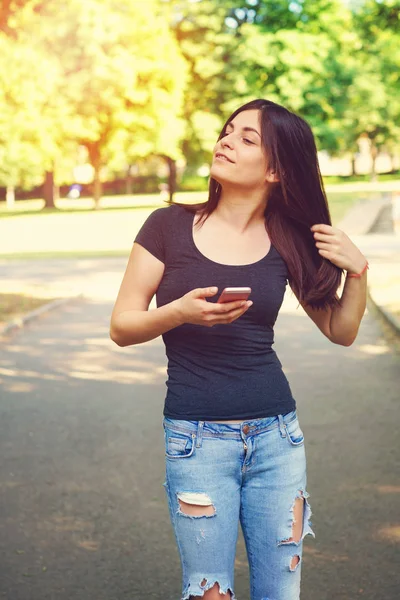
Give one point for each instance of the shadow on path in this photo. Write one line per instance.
(83, 508)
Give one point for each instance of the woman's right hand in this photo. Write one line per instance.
(194, 308)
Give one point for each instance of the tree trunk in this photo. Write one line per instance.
(97, 187)
(95, 159)
(129, 181)
(172, 180)
(10, 197)
(353, 164)
(374, 154)
(171, 177)
(48, 190)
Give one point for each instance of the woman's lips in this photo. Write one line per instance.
(220, 156)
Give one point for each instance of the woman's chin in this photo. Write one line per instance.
(216, 174)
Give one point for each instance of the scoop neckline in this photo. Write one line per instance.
(223, 264)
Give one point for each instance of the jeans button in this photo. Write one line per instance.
(246, 428)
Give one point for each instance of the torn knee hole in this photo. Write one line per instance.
(196, 504)
(294, 562)
(300, 522)
(297, 523)
(297, 526)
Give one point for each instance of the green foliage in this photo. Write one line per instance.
(123, 75)
(336, 67)
(133, 79)
(374, 99)
(118, 84)
(193, 183)
(301, 70)
(25, 121)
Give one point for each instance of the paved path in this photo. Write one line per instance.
(83, 513)
(383, 253)
(100, 277)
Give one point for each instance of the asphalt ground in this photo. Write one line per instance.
(83, 511)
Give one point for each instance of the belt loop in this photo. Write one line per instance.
(199, 437)
(282, 426)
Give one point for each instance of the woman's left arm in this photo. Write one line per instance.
(336, 246)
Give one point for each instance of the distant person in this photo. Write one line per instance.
(233, 442)
(74, 191)
(164, 191)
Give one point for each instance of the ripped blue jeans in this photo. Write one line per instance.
(250, 472)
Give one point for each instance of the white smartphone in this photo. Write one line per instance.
(231, 294)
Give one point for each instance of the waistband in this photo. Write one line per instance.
(230, 430)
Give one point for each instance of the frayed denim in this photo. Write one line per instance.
(251, 472)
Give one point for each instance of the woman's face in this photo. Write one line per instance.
(245, 164)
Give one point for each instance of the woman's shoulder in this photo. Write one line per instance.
(172, 211)
(167, 220)
(162, 217)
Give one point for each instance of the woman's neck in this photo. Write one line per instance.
(239, 211)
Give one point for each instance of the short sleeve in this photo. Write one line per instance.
(150, 235)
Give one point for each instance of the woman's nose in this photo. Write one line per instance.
(226, 141)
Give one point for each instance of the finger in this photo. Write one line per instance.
(323, 228)
(326, 245)
(231, 316)
(205, 292)
(326, 254)
(322, 236)
(224, 307)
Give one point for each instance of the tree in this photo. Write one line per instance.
(376, 84)
(313, 56)
(298, 65)
(123, 75)
(206, 43)
(119, 80)
(24, 139)
(35, 116)
(286, 51)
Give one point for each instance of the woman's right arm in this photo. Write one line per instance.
(132, 322)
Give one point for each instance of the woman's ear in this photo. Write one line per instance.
(272, 177)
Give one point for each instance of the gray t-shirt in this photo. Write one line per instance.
(226, 371)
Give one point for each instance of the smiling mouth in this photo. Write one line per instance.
(220, 156)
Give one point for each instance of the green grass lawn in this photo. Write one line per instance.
(340, 202)
(74, 229)
(16, 305)
(82, 205)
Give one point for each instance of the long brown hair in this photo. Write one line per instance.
(295, 203)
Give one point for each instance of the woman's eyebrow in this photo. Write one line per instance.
(245, 128)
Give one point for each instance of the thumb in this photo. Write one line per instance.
(206, 292)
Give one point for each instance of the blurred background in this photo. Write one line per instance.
(118, 98)
(109, 109)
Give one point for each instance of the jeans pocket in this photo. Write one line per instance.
(178, 444)
(294, 433)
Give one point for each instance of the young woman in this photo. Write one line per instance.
(233, 443)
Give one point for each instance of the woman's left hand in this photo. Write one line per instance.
(336, 246)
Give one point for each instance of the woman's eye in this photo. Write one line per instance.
(225, 133)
